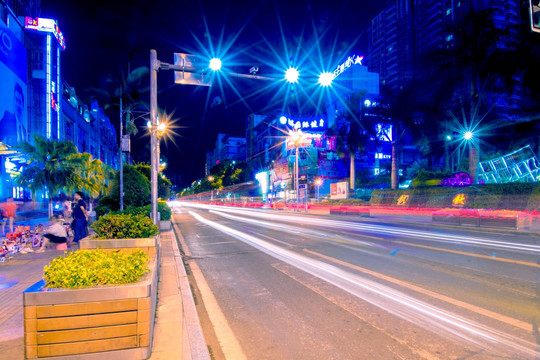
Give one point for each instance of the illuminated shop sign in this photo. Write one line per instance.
(351, 60)
(46, 25)
(305, 124)
(403, 200)
(459, 200)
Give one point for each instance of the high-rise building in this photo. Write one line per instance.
(406, 33)
(227, 147)
(44, 42)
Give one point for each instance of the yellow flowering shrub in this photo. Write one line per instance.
(85, 268)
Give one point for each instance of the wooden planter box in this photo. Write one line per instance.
(148, 245)
(165, 225)
(105, 322)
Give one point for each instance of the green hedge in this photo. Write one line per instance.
(84, 268)
(514, 196)
(124, 226)
(163, 209)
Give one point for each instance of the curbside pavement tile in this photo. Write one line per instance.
(177, 332)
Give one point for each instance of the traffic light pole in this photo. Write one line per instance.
(154, 163)
(155, 66)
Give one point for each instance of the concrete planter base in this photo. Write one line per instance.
(350, 210)
(105, 322)
(500, 222)
(165, 225)
(149, 245)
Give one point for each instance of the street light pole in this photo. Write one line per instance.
(296, 181)
(121, 153)
(154, 163)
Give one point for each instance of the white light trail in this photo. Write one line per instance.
(349, 225)
(386, 298)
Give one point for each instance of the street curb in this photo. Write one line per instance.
(194, 344)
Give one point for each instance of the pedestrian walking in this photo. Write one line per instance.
(67, 209)
(80, 217)
(9, 210)
(55, 233)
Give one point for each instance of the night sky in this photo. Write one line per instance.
(103, 36)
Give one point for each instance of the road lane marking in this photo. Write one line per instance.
(389, 298)
(220, 243)
(487, 257)
(229, 343)
(506, 319)
(286, 270)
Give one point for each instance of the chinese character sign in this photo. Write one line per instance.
(315, 124)
(459, 200)
(403, 200)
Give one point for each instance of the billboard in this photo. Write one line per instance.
(331, 166)
(13, 63)
(339, 190)
(306, 124)
(535, 15)
(46, 25)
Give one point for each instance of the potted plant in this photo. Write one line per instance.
(93, 304)
(123, 231)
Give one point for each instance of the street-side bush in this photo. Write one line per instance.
(124, 226)
(514, 196)
(84, 268)
(163, 209)
(428, 178)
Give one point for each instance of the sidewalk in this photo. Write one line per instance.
(15, 276)
(177, 332)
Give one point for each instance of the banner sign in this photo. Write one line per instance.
(339, 190)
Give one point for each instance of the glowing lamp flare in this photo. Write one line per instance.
(468, 135)
(291, 75)
(326, 78)
(215, 64)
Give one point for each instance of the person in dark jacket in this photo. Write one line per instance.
(80, 217)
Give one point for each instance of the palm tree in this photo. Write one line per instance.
(52, 165)
(94, 176)
(126, 91)
(473, 70)
(353, 133)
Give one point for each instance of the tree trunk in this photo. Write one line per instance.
(353, 156)
(473, 163)
(394, 175)
(50, 207)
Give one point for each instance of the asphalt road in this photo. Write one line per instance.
(276, 285)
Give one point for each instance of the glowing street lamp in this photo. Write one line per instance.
(473, 155)
(211, 179)
(291, 75)
(318, 182)
(215, 64)
(325, 79)
(295, 138)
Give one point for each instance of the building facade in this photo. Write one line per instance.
(407, 33)
(35, 98)
(321, 157)
(227, 147)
